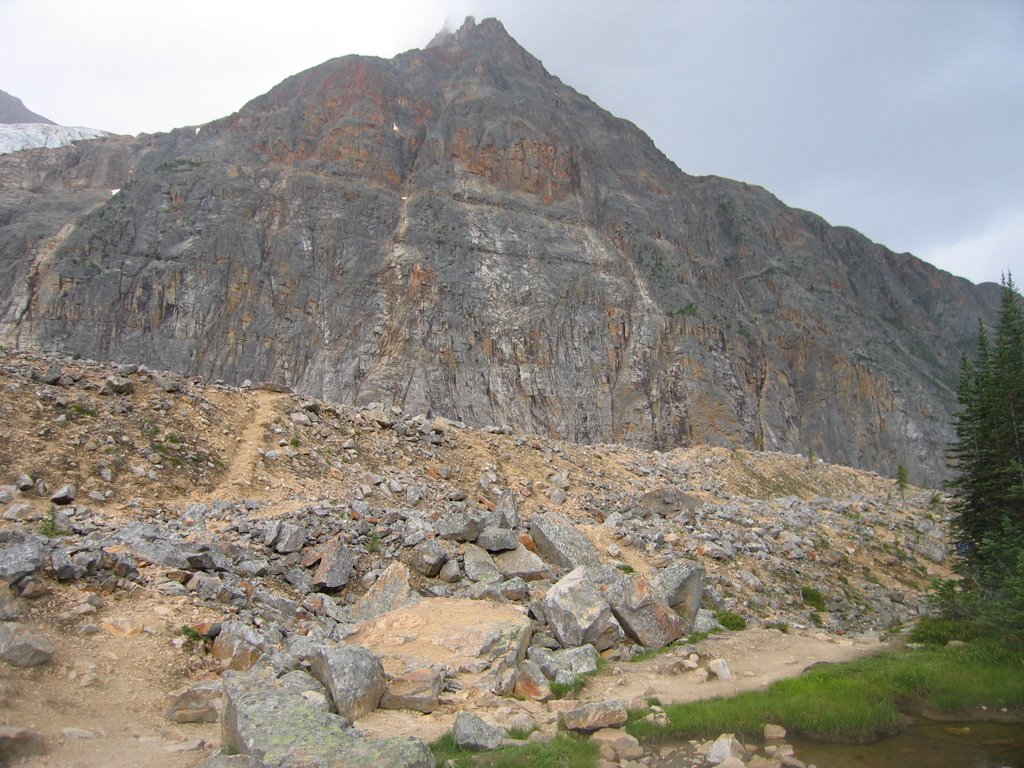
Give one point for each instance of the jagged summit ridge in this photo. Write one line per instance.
(454, 231)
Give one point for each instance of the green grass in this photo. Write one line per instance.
(564, 751)
(858, 701)
(49, 527)
(938, 630)
(782, 626)
(82, 410)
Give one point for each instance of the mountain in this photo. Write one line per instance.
(457, 232)
(13, 110)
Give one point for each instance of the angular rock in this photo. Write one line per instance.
(308, 687)
(479, 565)
(450, 572)
(578, 614)
(353, 675)
(724, 747)
(9, 610)
(428, 557)
(577, 661)
(149, 543)
(459, 526)
(388, 592)
(335, 569)
(238, 645)
(681, 585)
(290, 538)
(21, 556)
(472, 732)
(64, 568)
(17, 742)
(623, 745)
(280, 728)
(497, 539)
(506, 513)
(559, 542)
(531, 683)
(418, 689)
(64, 495)
(594, 716)
(117, 385)
(24, 646)
(643, 615)
(721, 670)
(523, 563)
(198, 703)
(24, 482)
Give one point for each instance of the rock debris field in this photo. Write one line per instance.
(201, 575)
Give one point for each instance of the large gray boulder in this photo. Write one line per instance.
(523, 563)
(238, 645)
(681, 585)
(428, 557)
(479, 565)
(643, 614)
(559, 542)
(578, 614)
(473, 732)
(278, 726)
(21, 556)
(335, 569)
(353, 675)
(459, 526)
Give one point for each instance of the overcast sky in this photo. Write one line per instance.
(901, 118)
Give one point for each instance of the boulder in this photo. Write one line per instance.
(353, 675)
(221, 760)
(450, 572)
(558, 541)
(523, 563)
(720, 668)
(497, 539)
(459, 526)
(644, 616)
(198, 703)
(418, 689)
(428, 557)
(594, 716)
(64, 495)
(578, 614)
(21, 556)
(278, 726)
(473, 732)
(577, 661)
(24, 646)
(335, 569)
(531, 683)
(290, 538)
(681, 585)
(390, 591)
(479, 565)
(238, 645)
(506, 513)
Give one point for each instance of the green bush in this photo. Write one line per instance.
(731, 620)
(813, 598)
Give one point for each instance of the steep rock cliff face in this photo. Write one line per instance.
(456, 231)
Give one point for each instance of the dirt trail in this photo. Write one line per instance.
(241, 470)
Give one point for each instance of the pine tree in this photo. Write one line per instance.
(988, 457)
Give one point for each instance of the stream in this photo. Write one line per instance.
(926, 744)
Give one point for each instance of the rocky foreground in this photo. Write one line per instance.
(326, 583)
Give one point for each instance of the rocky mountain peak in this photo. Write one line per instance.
(456, 232)
(13, 110)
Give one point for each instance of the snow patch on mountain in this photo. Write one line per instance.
(18, 136)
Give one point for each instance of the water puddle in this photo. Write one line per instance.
(926, 745)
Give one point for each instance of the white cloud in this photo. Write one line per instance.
(986, 255)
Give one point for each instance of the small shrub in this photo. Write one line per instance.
(192, 638)
(813, 598)
(731, 620)
(939, 630)
(83, 410)
(625, 567)
(374, 542)
(49, 527)
(816, 619)
(782, 626)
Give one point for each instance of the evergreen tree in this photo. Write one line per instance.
(988, 457)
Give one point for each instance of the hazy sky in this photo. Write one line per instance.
(901, 118)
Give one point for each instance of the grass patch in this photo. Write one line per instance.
(564, 751)
(731, 620)
(82, 410)
(782, 626)
(813, 598)
(938, 630)
(650, 653)
(625, 567)
(858, 701)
